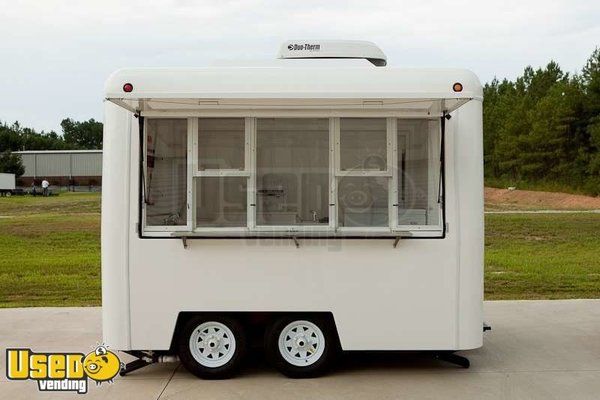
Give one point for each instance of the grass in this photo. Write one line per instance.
(542, 256)
(50, 250)
(65, 203)
(50, 253)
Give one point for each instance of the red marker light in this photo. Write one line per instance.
(457, 87)
(128, 87)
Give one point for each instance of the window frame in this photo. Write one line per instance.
(431, 167)
(331, 230)
(143, 175)
(330, 227)
(221, 173)
(388, 174)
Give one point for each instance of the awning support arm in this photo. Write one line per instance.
(126, 106)
(442, 181)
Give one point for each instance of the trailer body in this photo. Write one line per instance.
(390, 279)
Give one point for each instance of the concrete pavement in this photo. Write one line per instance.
(536, 350)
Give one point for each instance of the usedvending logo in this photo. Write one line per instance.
(64, 372)
(305, 46)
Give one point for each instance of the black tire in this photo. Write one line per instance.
(316, 368)
(194, 365)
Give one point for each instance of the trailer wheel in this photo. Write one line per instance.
(212, 347)
(301, 347)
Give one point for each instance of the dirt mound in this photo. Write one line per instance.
(504, 199)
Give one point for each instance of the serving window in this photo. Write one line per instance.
(292, 176)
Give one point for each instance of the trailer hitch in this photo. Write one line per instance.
(143, 359)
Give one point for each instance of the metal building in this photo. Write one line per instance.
(62, 167)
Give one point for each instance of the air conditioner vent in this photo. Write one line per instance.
(303, 49)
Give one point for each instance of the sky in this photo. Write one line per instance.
(56, 54)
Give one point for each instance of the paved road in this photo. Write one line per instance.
(537, 350)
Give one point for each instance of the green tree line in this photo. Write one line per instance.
(76, 135)
(542, 130)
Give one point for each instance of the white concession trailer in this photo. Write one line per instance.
(325, 201)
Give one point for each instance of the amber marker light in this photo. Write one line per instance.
(457, 87)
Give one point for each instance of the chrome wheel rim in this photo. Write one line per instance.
(212, 344)
(301, 343)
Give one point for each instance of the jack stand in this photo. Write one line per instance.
(452, 358)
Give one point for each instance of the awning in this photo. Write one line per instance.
(262, 107)
(374, 90)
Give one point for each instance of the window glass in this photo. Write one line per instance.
(221, 143)
(221, 201)
(166, 175)
(292, 173)
(418, 172)
(363, 201)
(363, 144)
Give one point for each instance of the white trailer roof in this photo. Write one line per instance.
(422, 91)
